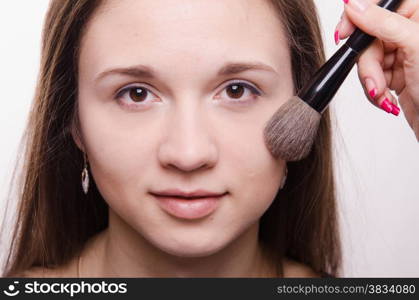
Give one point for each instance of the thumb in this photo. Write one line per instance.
(385, 25)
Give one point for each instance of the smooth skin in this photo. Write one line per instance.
(188, 130)
(185, 130)
(391, 63)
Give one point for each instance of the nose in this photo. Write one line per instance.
(188, 144)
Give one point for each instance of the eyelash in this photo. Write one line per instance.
(255, 93)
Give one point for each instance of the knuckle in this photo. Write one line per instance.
(392, 29)
(403, 12)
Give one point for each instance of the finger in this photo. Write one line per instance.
(408, 9)
(394, 73)
(398, 78)
(388, 103)
(383, 24)
(393, 99)
(388, 75)
(389, 60)
(345, 27)
(371, 73)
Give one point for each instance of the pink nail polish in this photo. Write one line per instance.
(346, 1)
(395, 110)
(386, 105)
(373, 93)
(337, 38)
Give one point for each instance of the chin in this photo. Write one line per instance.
(190, 247)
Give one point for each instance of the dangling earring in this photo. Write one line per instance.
(284, 178)
(85, 176)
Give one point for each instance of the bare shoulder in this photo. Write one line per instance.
(35, 272)
(293, 268)
(67, 270)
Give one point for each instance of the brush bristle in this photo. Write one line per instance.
(290, 132)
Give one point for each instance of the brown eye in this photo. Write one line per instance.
(235, 91)
(138, 94)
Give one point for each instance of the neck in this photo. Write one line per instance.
(123, 252)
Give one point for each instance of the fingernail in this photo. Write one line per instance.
(337, 38)
(395, 110)
(373, 93)
(359, 5)
(386, 105)
(370, 86)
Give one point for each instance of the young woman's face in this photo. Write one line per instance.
(201, 80)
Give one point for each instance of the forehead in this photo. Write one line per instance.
(186, 32)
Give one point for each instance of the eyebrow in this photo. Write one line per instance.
(230, 68)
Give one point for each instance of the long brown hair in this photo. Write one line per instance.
(55, 219)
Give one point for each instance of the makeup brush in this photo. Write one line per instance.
(291, 131)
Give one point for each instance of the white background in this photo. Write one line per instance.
(376, 153)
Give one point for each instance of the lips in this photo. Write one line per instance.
(188, 205)
(200, 193)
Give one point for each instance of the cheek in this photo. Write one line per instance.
(119, 150)
(122, 150)
(255, 175)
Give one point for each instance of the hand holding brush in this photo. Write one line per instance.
(290, 133)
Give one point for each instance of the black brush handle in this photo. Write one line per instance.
(319, 91)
